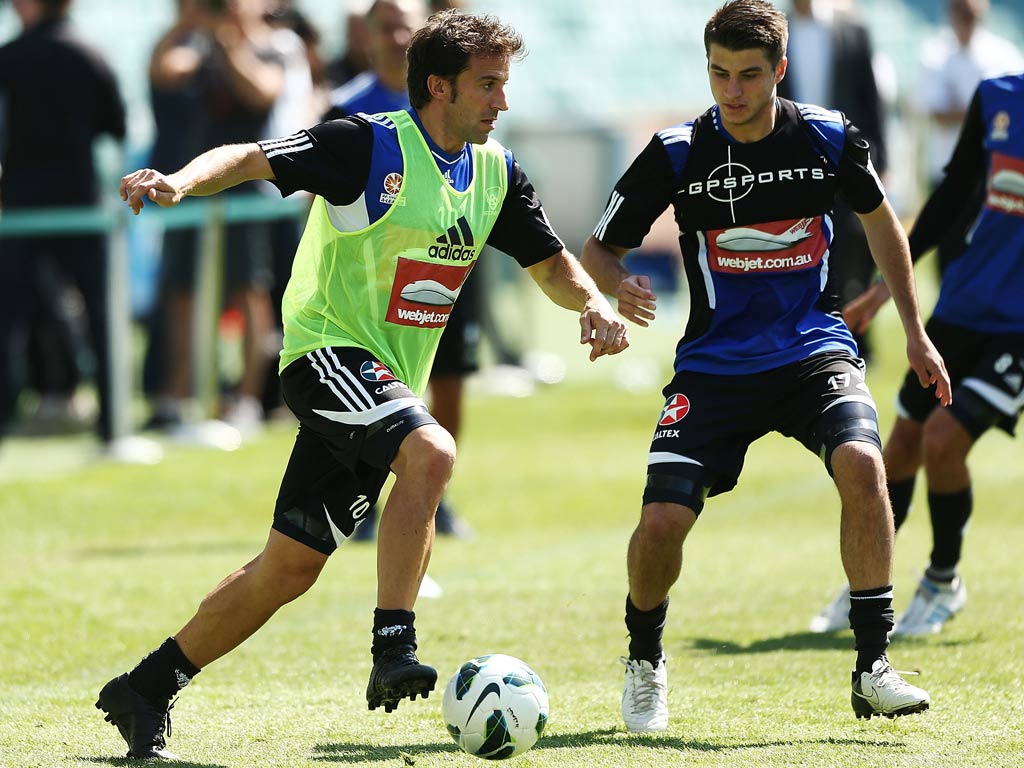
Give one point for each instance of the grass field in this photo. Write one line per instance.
(102, 562)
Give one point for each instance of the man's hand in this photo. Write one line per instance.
(636, 301)
(861, 310)
(147, 184)
(603, 331)
(930, 367)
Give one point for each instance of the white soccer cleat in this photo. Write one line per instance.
(932, 606)
(834, 616)
(883, 692)
(645, 696)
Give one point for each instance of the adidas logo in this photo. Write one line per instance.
(456, 244)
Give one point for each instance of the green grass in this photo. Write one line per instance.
(101, 562)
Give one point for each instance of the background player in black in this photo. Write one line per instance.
(981, 341)
(724, 395)
(60, 97)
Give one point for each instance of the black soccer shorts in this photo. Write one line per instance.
(709, 420)
(353, 415)
(987, 374)
(458, 352)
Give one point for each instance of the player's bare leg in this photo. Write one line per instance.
(654, 562)
(245, 600)
(405, 537)
(655, 555)
(866, 544)
(866, 531)
(139, 702)
(941, 593)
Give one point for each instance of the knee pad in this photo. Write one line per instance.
(682, 483)
(847, 422)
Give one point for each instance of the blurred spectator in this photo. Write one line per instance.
(831, 64)
(284, 14)
(355, 58)
(306, 90)
(389, 25)
(58, 96)
(250, 80)
(953, 62)
(174, 99)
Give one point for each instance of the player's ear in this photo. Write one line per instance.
(780, 69)
(439, 88)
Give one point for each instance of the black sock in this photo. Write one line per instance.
(392, 628)
(950, 513)
(871, 618)
(162, 673)
(900, 494)
(645, 629)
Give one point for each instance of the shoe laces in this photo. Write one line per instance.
(887, 677)
(646, 688)
(167, 715)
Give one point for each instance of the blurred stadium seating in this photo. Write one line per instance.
(599, 60)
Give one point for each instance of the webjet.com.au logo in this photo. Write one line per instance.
(423, 318)
(762, 263)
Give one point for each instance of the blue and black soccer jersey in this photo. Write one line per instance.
(365, 93)
(983, 288)
(755, 224)
(355, 164)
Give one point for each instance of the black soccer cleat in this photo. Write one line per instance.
(398, 674)
(140, 723)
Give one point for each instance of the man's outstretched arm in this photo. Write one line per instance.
(565, 282)
(208, 174)
(891, 252)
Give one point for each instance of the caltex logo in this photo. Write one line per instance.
(374, 371)
(675, 409)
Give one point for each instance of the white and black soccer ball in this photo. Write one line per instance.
(495, 707)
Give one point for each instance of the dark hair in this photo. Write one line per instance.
(743, 24)
(444, 45)
(52, 8)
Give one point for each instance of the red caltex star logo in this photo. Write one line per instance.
(675, 409)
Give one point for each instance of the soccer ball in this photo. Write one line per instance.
(495, 707)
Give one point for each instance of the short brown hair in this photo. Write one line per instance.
(743, 24)
(444, 45)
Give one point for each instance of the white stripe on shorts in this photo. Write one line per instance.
(373, 415)
(330, 376)
(664, 457)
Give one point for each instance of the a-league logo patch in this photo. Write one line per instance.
(675, 409)
(374, 371)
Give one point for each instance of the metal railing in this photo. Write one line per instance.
(209, 216)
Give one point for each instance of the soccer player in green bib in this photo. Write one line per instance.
(405, 201)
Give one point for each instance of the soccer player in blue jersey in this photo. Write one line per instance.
(405, 202)
(752, 182)
(978, 326)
